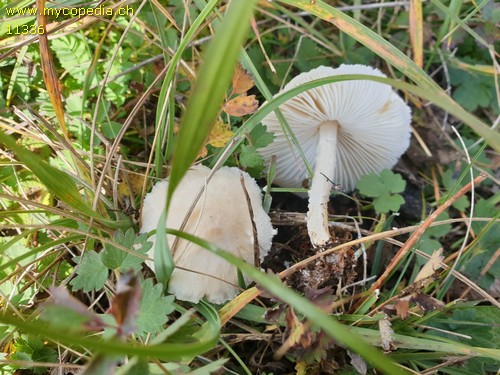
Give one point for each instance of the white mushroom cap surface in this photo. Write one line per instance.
(346, 130)
(221, 217)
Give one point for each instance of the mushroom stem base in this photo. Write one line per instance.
(322, 183)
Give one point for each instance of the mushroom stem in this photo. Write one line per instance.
(319, 193)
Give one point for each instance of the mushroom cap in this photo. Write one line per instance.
(221, 217)
(374, 126)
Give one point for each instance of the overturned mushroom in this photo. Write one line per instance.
(222, 217)
(346, 130)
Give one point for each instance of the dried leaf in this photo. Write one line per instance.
(273, 314)
(131, 185)
(386, 335)
(295, 328)
(301, 368)
(125, 304)
(242, 82)
(75, 312)
(202, 154)
(402, 306)
(48, 69)
(241, 105)
(431, 266)
(427, 303)
(323, 298)
(358, 362)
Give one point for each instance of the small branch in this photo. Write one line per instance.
(256, 247)
(420, 231)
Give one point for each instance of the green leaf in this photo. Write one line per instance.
(73, 54)
(480, 323)
(91, 273)
(371, 185)
(110, 129)
(261, 137)
(429, 241)
(33, 349)
(383, 188)
(449, 181)
(387, 202)
(154, 308)
(249, 158)
(114, 257)
(309, 48)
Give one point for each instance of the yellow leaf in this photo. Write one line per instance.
(301, 368)
(241, 105)
(131, 185)
(220, 134)
(218, 137)
(242, 82)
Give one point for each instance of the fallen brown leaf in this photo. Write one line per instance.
(402, 306)
(241, 105)
(431, 266)
(242, 82)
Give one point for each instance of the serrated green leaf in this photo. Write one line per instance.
(249, 158)
(480, 323)
(388, 202)
(383, 188)
(114, 257)
(141, 245)
(72, 52)
(261, 137)
(472, 91)
(307, 49)
(370, 185)
(91, 272)
(393, 181)
(154, 308)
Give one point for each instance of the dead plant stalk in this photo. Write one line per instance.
(420, 231)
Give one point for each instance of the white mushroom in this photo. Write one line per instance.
(222, 217)
(346, 130)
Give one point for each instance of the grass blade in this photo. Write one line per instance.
(317, 316)
(210, 87)
(49, 70)
(57, 182)
(167, 351)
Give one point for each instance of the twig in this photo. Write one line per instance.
(420, 231)
(469, 222)
(256, 247)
